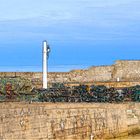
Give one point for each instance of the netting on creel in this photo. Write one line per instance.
(20, 89)
(83, 93)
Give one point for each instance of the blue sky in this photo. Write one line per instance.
(81, 33)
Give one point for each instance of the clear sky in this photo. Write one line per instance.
(81, 33)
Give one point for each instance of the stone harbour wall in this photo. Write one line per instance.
(47, 121)
(126, 71)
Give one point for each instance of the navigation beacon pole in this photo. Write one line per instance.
(46, 50)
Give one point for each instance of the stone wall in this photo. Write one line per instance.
(126, 71)
(100, 73)
(107, 84)
(48, 121)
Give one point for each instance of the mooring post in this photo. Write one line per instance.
(46, 50)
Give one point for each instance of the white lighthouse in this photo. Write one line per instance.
(46, 50)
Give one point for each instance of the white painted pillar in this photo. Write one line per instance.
(118, 79)
(91, 137)
(45, 65)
